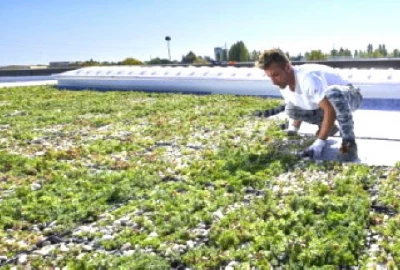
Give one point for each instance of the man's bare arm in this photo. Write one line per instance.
(329, 119)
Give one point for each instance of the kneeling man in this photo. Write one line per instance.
(316, 94)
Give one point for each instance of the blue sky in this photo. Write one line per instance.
(38, 31)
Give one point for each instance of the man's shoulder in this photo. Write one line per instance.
(307, 68)
(312, 72)
(306, 72)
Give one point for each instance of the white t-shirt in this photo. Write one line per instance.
(312, 80)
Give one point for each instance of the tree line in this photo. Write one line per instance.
(238, 52)
(370, 52)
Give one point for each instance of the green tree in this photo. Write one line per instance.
(158, 61)
(363, 54)
(315, 55)
(238, 52)
(341, 52)
(299, 57)
(91, 62)
(376, 54)
(201, 60)
(382, 50)
(131, 62)
(370, 49)
(254, 55)
(190, 58)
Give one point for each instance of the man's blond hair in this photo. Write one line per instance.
(274, 56)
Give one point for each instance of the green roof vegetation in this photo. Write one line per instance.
(144, 180)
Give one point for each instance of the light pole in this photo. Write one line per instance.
(168, 38)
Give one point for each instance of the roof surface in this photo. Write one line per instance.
(377, 131)
(377, 137)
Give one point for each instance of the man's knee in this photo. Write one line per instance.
(291, 113)
(295, 113)
(290, 110)
(342, 97)
(334, 93)
(309, 116)
(356, 98)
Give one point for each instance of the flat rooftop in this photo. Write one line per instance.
(377, 131)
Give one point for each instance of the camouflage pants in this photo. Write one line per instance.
(344, 100)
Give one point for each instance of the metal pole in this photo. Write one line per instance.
(169, 52)
(168, 38)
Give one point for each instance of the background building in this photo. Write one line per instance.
(221, 54)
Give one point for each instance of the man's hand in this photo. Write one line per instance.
(315, 150)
